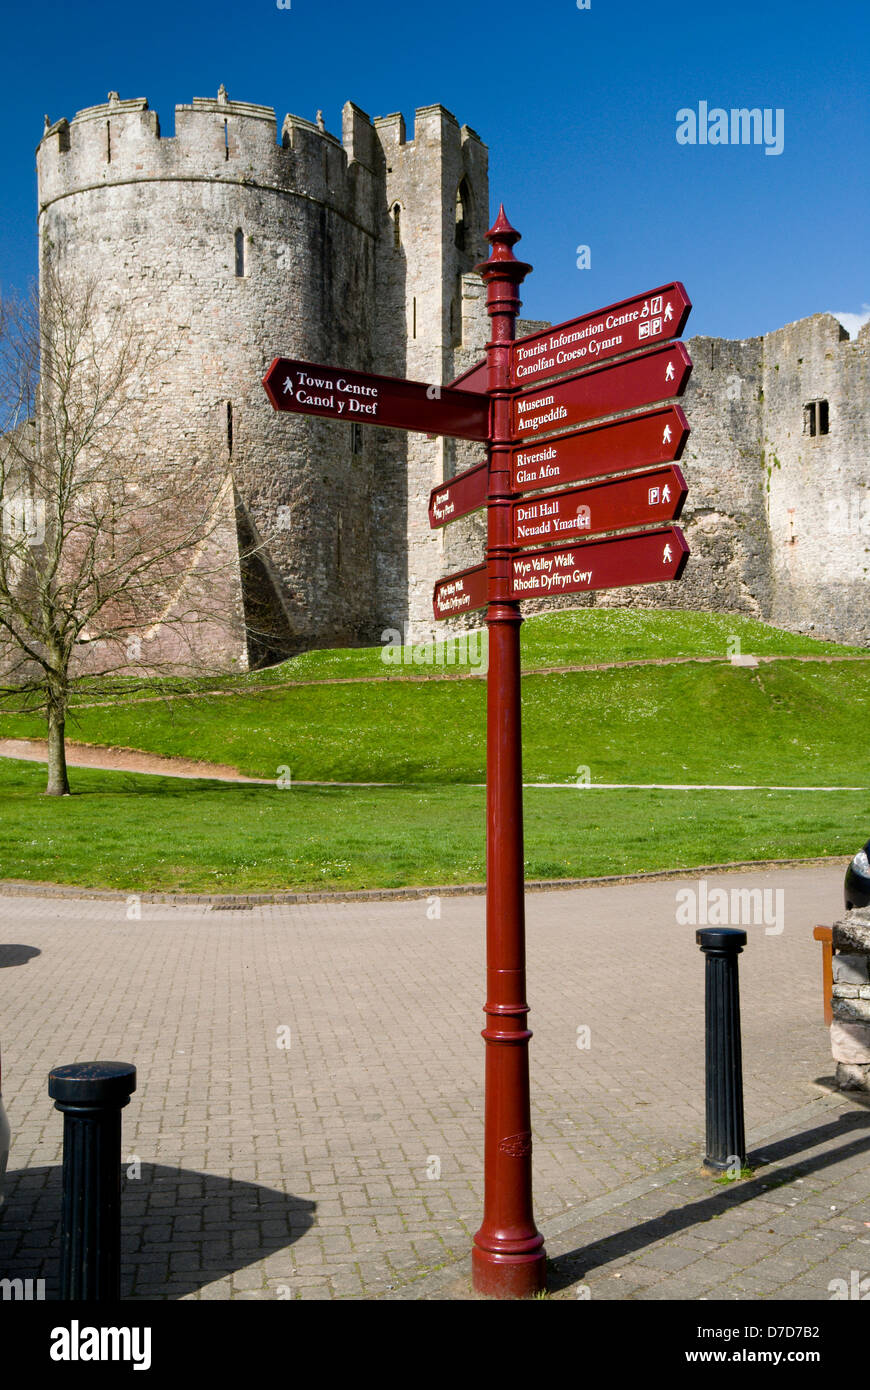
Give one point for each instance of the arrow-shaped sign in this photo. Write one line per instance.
(655, 317)
(461, 592)
(647, 557)
(459, 496)
(638, 441)
(640, 500)
(472, 379)
(607, 390)
(365, 399)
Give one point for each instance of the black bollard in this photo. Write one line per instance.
(91, 1096)
(726, 1140)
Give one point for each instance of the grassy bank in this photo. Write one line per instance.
(152, 834)
(791, 723)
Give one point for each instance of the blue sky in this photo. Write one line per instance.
(578, 107)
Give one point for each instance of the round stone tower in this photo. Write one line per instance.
(226, 248)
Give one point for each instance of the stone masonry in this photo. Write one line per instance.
(850, 1000)
(230, 243)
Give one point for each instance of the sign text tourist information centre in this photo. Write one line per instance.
(588, 402)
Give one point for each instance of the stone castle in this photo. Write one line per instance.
(231, 243)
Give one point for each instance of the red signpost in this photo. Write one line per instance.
(310, 389)
(646, 557)
(655, 317)
(460, 495)
(508, 1258)
(461, 592)
(618, 386)
(639, 500)
(635, 442)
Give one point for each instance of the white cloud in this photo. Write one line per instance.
(853, 322)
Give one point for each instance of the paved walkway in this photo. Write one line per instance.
(308, 1121)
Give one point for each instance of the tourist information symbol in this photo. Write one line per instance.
(647, 557)
(336, 394)
(618, 386)
(634, 442)
(639, 500)
(655, 317)
(461, 495)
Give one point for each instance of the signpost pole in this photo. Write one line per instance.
(508, 1258)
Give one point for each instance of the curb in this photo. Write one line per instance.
(18, 888)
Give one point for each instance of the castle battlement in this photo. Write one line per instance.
(237, 237)
(119, 142)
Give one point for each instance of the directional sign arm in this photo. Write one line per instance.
(619, 562)
(647, 319)
(335, 393)
(654, 375)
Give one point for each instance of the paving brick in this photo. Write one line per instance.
(308, 1168)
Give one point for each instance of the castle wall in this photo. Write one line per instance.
(357, 253)
(424, 281)
(819, 485)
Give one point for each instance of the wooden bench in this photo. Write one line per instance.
(825, 935)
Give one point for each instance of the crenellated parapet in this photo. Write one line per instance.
(218, 140)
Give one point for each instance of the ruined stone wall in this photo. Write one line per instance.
(819, 485)
(777, 520)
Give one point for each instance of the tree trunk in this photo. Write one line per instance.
(58, 782)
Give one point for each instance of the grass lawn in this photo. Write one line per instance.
(569, 638)
(152, 834)
(791, 723)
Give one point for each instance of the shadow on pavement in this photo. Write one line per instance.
(180, 1229)
(17, 955)
(566, 1269)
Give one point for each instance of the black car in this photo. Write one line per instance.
(857, 886)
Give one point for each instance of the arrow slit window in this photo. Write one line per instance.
(816, 418)
(463, 200)
(397, 226)
(240, 253)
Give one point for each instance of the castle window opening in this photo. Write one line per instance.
(397, 226)
(356, 439)
(230, 428)
(414, 318)
(240, 253)
(816, 418)
(108, 142)
(463, 200)
(226, 140)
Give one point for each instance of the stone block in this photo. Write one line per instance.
(852, 932)
(851, 969)
(850, 1042)
(853, 1076)
(851, 1010)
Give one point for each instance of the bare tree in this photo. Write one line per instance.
(105, 544)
